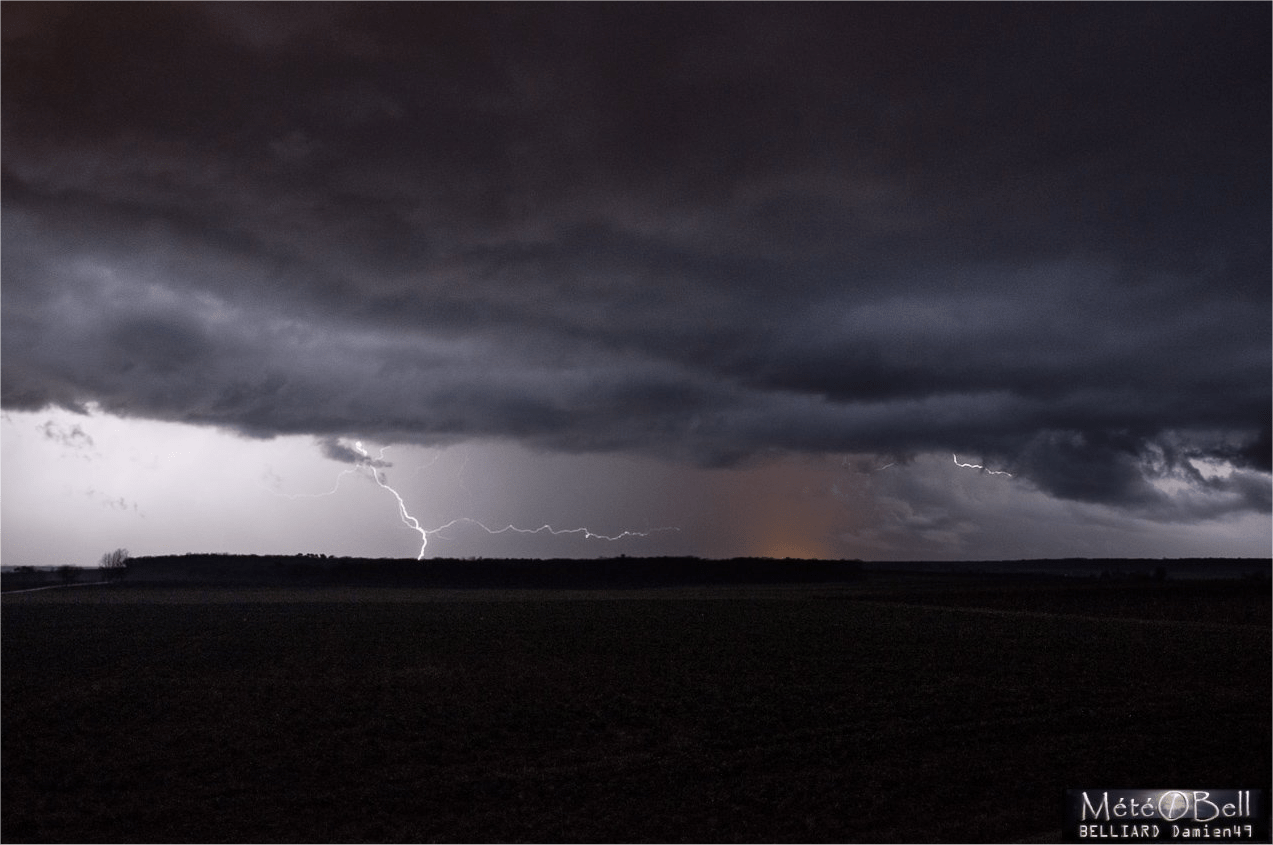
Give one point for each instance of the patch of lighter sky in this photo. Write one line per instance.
(74, 486)
(1212, 468)
(158, 488)
(1172, 485)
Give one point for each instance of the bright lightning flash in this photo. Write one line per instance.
(414, 524)
(407, 519)
(980, 467)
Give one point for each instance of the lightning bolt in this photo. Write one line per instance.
(844, 462)
(980, 467)
(411, 522)
(275, 481)
(556, 532)
(407, 519)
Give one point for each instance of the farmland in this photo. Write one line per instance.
(885, 711)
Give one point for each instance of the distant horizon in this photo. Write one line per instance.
(637, 558)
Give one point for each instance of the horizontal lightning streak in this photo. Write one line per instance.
(556, 532)
(331, 492)
(980, 467)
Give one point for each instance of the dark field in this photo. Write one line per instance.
(905, 710)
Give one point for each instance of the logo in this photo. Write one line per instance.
(1165, 815)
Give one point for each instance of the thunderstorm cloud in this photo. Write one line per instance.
(1034, 235)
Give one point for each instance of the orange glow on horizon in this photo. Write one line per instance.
(800, 550)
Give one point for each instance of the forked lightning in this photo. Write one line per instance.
(414, 524)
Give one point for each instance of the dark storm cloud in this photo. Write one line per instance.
(1034, 233)
(337, 451)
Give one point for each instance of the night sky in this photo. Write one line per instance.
(950, 281)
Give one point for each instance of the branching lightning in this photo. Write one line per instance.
(980, 467)
(407, 519)
(371, 464)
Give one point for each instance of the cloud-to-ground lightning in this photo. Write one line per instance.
(371, 464)
(407, 519)
(980, 467)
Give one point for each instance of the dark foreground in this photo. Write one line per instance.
(916, 710)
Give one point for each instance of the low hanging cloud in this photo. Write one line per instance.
(1035, 236)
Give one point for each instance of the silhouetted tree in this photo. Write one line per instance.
(115, 564)
(69, 574)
